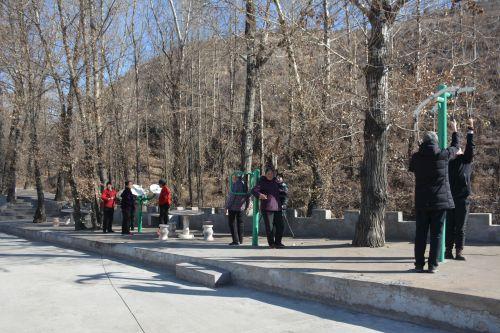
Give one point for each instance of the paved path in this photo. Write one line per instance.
(51, 289)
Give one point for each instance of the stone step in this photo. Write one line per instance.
(207, 276)
(15, 218)
(18, 209)
(11, 213)
(19, 203)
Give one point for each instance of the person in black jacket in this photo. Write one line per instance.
(460, 170)
(432, 195)
(127, 204)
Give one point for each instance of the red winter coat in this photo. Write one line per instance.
(109, 198)
(165, 196)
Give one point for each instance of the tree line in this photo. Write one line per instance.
(189, 90)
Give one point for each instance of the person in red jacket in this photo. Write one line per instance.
(164, 201)
(109, 201)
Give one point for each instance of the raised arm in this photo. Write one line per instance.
(469, 147)
(453, 149)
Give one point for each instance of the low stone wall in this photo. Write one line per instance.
(320, 224)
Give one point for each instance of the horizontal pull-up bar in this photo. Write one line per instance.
(453, 92)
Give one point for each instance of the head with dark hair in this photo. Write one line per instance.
(269, 172)
(128, 183)
(162, 182)
(109, 185)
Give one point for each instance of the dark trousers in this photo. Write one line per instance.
(433, 220)
(164, 214)
(132, 218)
(107, 221)
(236, 217)
(126, 218)
(456, 220)
(275, 234)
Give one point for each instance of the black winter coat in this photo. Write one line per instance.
(430, 166)
(127, 201)
(460, 170)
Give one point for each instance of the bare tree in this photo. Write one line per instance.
(370, 229)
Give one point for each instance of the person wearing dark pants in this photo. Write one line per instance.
(456, 220)
(107, 225)
(108, 198)
(274, 233)
(127, 204)
(460, 170)
(433, 220)
(235, 222)
(268, 191)
(164, 201)
(432, 195)
(236, 204)
(132, 213)
(164, 214)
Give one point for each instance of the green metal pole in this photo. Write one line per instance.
(139, 215)
(256, 211)
(443, 143)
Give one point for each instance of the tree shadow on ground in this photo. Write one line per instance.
(165, 283)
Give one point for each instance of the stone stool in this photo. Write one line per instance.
(164, 230)
(208, 231)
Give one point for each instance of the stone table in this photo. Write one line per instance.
(185, 213)
(71, 211)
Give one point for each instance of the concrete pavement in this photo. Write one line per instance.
(51, 289)
(377, 281)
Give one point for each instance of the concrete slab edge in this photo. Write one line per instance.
(446, 310)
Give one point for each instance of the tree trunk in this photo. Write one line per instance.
(28, 181)
(67, 121)
(3, 156)
(325, 95)
(61, 183)
(413, 139)
(261, 128)
(250, 89)
(14, 142)
(40, 215)
(136, 96)
(316, 187)
(351, 46)
(370, 227)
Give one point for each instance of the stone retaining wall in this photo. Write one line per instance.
(320, 224)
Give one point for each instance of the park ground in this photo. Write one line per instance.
(314, 284)
(51, 289)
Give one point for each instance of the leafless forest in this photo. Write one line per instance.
(190, 90)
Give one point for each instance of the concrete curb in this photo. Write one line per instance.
(429, 307)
